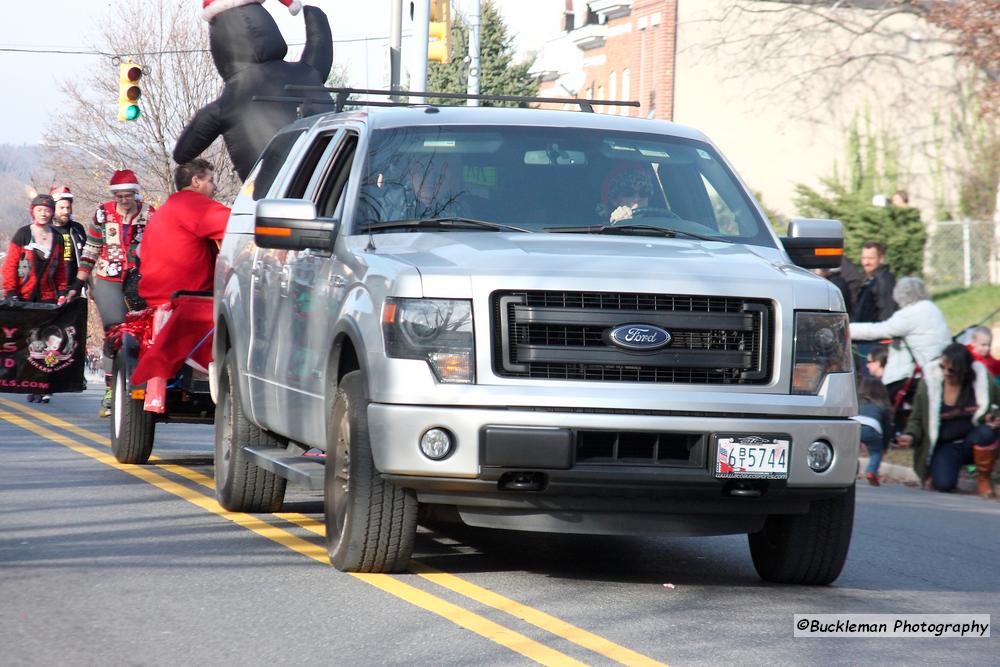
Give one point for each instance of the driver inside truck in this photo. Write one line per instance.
(626, 189)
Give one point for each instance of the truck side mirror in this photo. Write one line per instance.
(813, 243)
(291, 224)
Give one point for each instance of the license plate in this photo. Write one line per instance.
(752, 456)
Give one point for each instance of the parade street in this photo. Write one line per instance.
(104, 563)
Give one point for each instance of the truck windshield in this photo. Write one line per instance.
(545, 179)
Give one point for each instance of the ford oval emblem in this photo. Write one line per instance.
(642, 337)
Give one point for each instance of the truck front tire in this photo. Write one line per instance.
(241, 486)
(132, 428)
(809, 548)
(370, 523)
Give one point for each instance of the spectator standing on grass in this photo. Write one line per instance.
(954, 422)
(875, 301)
(875, 417)
(919, 328)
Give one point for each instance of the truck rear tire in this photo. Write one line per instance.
(809, 548)
(132, 428)
(241, 486)
(371, 524)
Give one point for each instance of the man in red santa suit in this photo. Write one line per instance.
(110, 254)
(180, 248)
(179, 252)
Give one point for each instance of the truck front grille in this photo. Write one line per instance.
(563, 336)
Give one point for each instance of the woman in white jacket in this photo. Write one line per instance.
(918, 326)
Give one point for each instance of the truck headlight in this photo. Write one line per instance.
(822, 346)
(439, 331)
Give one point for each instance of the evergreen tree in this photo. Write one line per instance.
(872, 167)
(499, 75)
(900, 230)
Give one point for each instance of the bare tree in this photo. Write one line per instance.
(814, 52)
(930, 69)
(86, 142)
(974, 28)
(19, 178)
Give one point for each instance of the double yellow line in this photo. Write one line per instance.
(465, 618)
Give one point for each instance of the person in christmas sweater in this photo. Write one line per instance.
(34, 268)
(111, 254)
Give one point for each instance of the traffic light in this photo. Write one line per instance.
(129, 91)
(439, 31)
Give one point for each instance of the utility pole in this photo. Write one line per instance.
(421, 24)
(395, 44)
(474, 32)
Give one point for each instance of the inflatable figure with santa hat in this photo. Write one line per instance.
(249, 52)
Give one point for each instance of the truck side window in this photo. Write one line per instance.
(273, 158)
(308, 165)
(328, 203)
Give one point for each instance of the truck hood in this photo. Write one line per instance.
(455, 264)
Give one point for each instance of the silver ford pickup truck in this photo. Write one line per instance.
(534, 320)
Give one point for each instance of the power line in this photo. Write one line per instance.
(82, 52)
(75, 53)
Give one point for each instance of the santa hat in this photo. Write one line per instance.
(124, 179)
(212, 8)
(61, 192)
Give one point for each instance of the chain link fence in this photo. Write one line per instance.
(961, 253)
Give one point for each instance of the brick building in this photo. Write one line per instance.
(614, 49)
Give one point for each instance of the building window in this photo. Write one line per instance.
(626, 83)
(613, 91)
(600, 96)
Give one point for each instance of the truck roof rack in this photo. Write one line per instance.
(341, 98)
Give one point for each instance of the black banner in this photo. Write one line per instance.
(43, 347)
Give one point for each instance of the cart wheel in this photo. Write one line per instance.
(132, 428)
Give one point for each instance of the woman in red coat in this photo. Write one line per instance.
(34, 269)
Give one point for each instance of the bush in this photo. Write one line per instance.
(900, 230)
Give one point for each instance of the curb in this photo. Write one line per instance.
(890, 471)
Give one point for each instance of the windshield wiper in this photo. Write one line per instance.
(638, 230)
(438, 223)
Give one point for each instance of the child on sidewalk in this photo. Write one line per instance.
(876, 422)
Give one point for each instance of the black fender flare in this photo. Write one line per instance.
(129, 355)
(346, 330)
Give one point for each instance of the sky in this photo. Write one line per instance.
(31, 81)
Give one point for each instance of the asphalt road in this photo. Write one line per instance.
(104, 564)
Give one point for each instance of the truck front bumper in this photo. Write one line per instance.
(478, 454)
